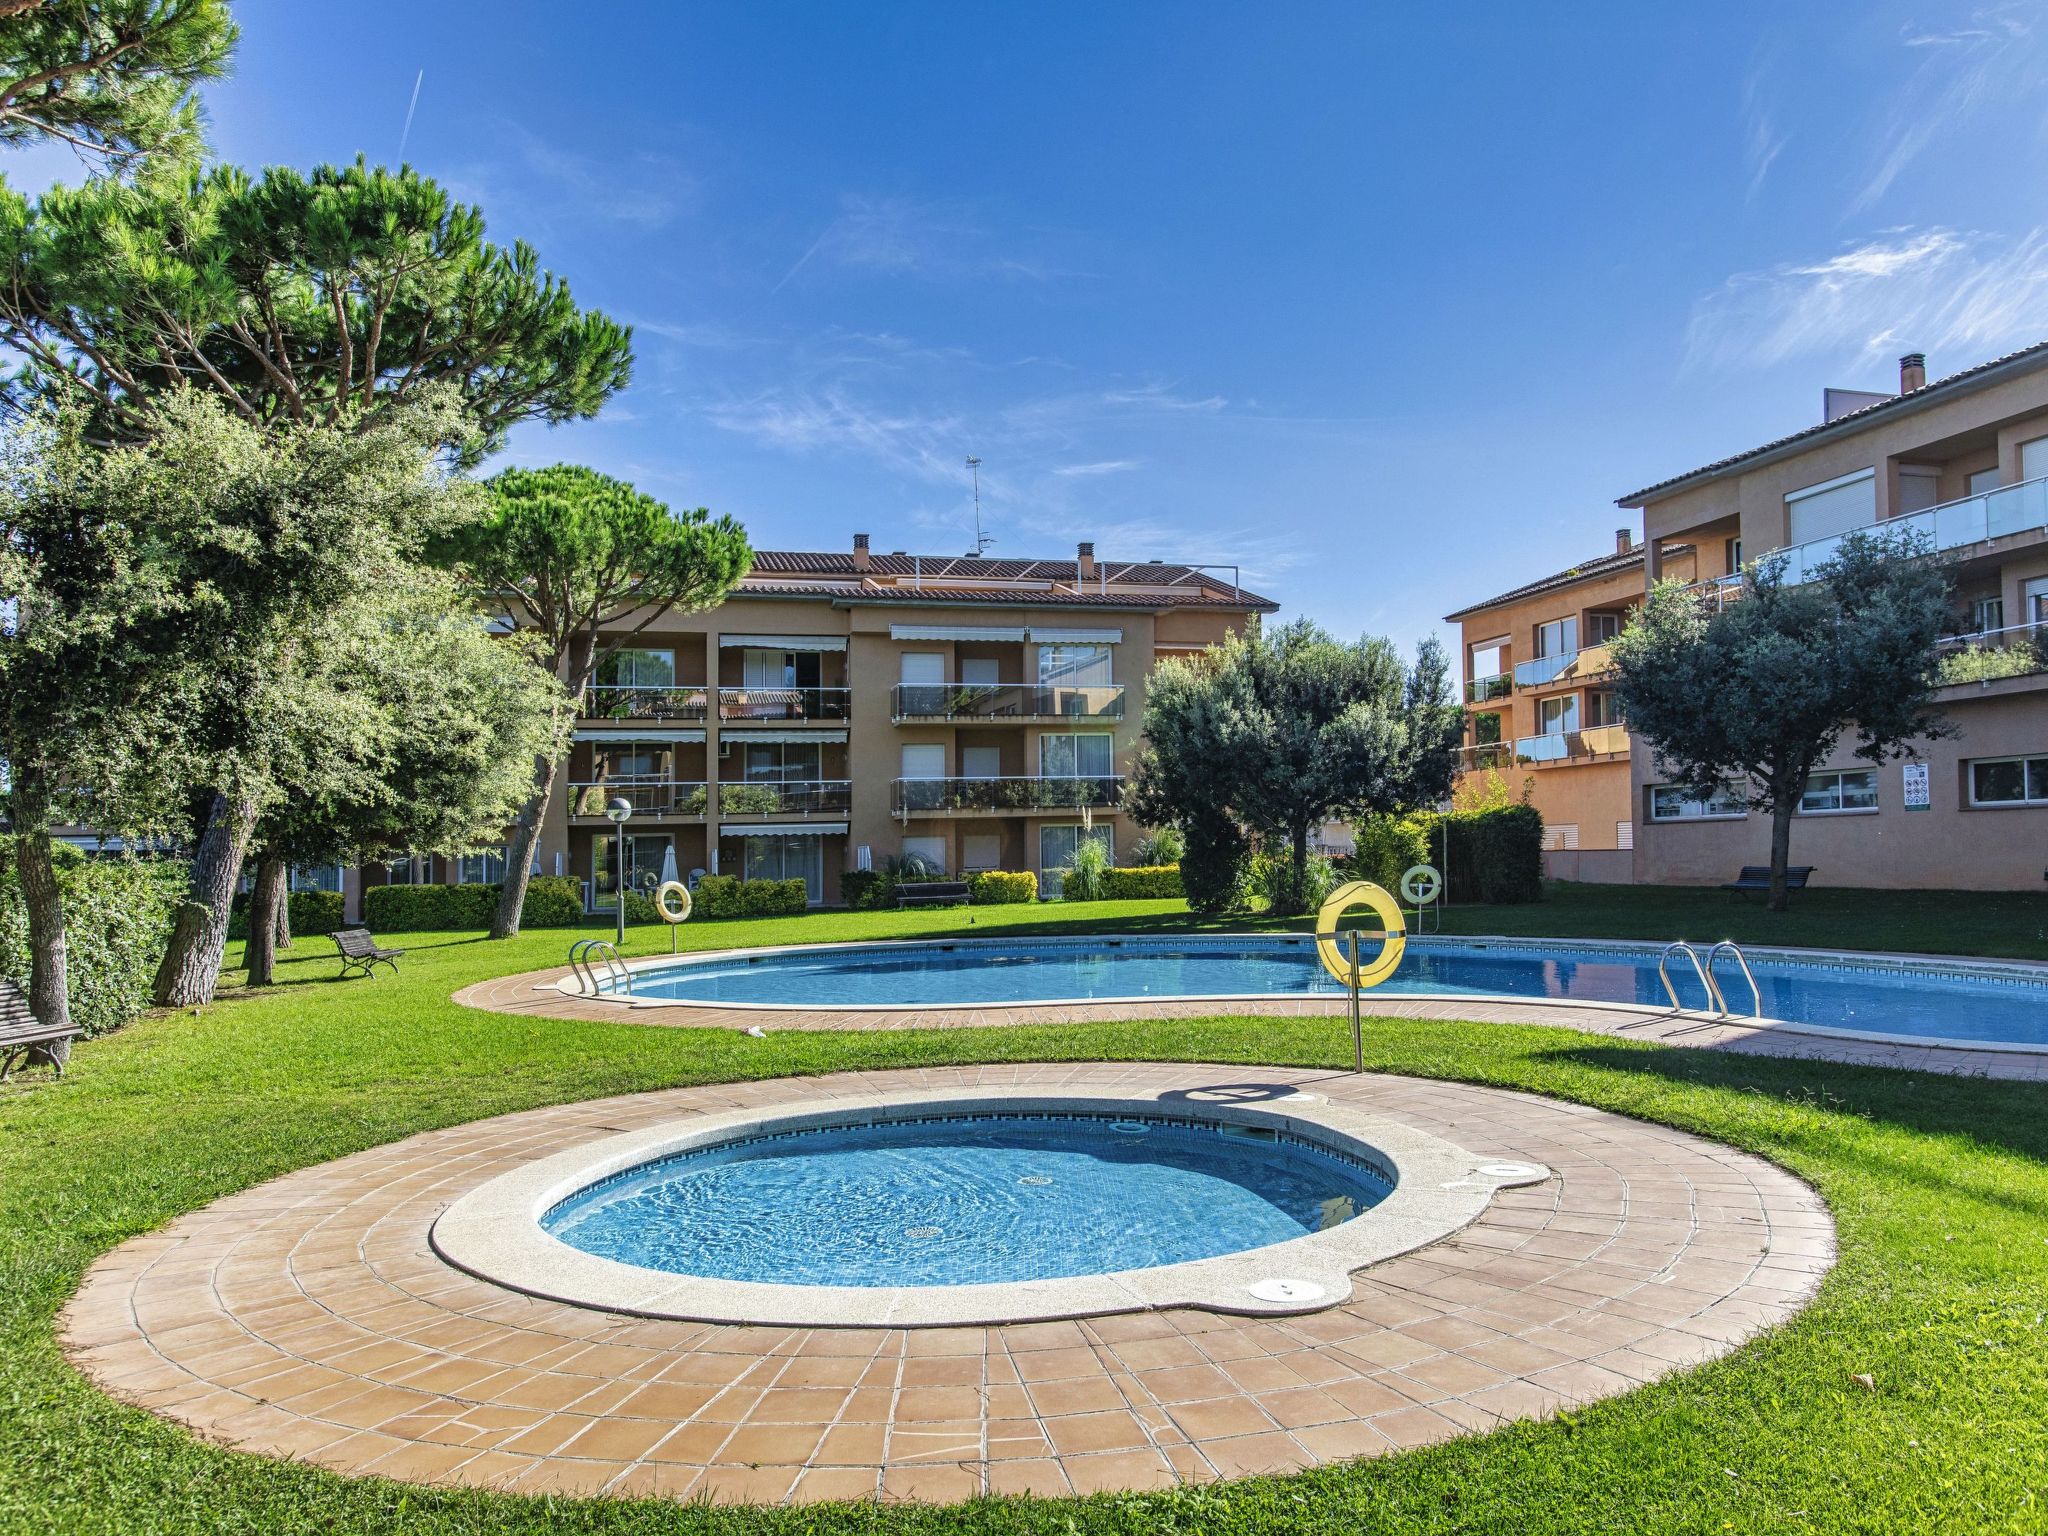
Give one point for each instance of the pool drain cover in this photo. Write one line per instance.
(923, 1231)
(1513, 1170)
(1286, 1290)
(1035, 1180)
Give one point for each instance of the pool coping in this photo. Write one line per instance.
(494, 1231)
(571, 986)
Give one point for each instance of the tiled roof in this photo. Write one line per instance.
(2034, 356)
(959, 578)
(1604, 565)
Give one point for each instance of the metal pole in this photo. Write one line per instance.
(1357, 1030)
(619, 885)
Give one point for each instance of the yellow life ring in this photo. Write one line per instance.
(1348, 895)
(681, 893)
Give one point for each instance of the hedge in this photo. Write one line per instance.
(310, 912)
(1494, 856)
(1150, 882)
(117, 917)
(1002, 887)
(867, 890)
(552, 901)
(730, 896)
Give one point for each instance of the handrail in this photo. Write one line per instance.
(1679, 946)
(586, 980)
(1755, 993)
(614, 964)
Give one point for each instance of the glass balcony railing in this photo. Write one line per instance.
(786, 797)
(1991, 655)
(1008, 794)
(1485, 755)
(738, 706)
(1567, 666)
(628, 701)
(647, 794)
(1006, 701)
(1482, 690)
(1567, 746)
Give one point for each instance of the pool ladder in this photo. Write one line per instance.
(1717, 1002)
(584, 955)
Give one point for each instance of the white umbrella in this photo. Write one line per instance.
(668, 863)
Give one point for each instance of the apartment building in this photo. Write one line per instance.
(1539, 712)
(838, 710)
(1964, 461)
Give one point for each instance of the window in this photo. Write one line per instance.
(1602, 627)
(486, 868)
(787, 858)
(923, 669)
(1670, 803)
(321, 877)
(1980, 481)
(1601, 708)
(2034, 602)
(1732, 550)
(1987, 614)
(981, 762)
(1833, 506)
(1918, 489)
(2034, 458)
(1559, 715)
(2009, 781)
(932, 850)
(1485, 730)
(1073, 666)
(781, 762)
(639, 669)
(1488, 659)
(979, 851)
(1082, 755)
(1056, 847)
(980, 671)
(780, 669)
(924, 760)
(1561, 836)
(410, 869)
(630, 760)
(1843, 789)
(1560, 637)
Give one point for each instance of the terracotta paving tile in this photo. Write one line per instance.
(311, 1319)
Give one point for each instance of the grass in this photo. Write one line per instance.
(1938, 1185)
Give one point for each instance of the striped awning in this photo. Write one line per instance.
(730, 733)
(1077, 636)
(786, 829)
(628, 733)
(952, 632)
(784, 642)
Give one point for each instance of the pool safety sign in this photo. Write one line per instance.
(1917, 796)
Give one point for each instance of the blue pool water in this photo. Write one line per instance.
(1949, 1000)
(964, 1199)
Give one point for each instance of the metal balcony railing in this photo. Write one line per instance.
(1483, 690)
(625, 701)
(648, 794)
(785, 797)
(1006, 701)
(1567, 746)
(1008, 794)
(738, 706)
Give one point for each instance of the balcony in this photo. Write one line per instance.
(624, 701)
(1596, 741)
(1484, 690)
(949, 796)
(1564, 668)
(761, 706)
(648, 794)
(1992, 655)
(784, 799)
(1486, 755)
(1004, 703)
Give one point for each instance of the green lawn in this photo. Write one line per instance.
(1938, 1184)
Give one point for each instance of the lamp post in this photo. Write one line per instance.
(619, 810)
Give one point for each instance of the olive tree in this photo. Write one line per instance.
(1757, 693)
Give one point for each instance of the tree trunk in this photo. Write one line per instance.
(48, 977)
(283, 929)
(266, 902)
(191, 966)
(1781, 850)
(519, 851)
(1299, 859)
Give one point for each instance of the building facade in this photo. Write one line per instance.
(1964, 462)
(1539, 712)
(841, 710)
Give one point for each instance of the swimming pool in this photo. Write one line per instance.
(1891, 998)
(968, 1199)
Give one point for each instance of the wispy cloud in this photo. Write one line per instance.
(1762, 140)
(935, 242)
(1995, 58)
(542, 185)
(1928, 288)
(1103, 467)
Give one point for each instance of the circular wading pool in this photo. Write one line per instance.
(969, 1198)
(1002, 1207)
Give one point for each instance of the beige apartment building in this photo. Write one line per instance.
(1539, 712)
(838, 710)
(1963, 460)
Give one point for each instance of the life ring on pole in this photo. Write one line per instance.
(1350, 894)
(679, 892)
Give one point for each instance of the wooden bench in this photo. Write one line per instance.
(1757, 877)
(360, 952)
(21, 1031)
(931, 893)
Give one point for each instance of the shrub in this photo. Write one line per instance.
(552, 901)
(1215, 870)
(1988, 663)
(1275, 880)
(730, 896)
(1002, 887)
(117, 916)
(1160, 849)
(1494, 856)
(428, 908)
(309, 912)
(748, 799)
(867, 890)
(1084, 878)
(1388, 847)
(1151, 882)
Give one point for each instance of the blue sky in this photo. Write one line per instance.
(1383, 304)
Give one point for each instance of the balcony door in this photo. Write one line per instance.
(1076, 755)
(1558, 716)
(787, 858)
(1073, 666)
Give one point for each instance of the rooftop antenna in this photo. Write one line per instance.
(981, 540)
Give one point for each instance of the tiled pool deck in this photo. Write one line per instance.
(309, 1318)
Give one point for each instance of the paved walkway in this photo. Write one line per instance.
(309, 1318)
(534, 992)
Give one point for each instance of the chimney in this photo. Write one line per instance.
(1085, 566)
(1912, 372)
(861, 562)
(1624, 541)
